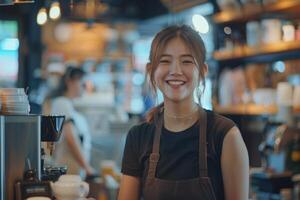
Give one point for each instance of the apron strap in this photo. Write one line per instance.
(154, 156)
(202, 143)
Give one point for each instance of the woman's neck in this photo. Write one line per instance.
(179, 116)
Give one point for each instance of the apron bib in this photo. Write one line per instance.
(192, 189)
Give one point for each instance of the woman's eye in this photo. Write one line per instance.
(187, 62)
(164, 61)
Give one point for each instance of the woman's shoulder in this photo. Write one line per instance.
(143, 128)
(141, 132)
(218, 127)
(219, 122)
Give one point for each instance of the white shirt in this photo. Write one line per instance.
(62, 153)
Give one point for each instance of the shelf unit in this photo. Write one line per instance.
(288, 8)
(241, 55)
(264, 52)
(247, 51)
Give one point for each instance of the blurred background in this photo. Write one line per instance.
(252, 51)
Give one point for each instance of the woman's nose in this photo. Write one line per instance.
(175, 68)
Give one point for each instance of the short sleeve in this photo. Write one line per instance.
(62, 106)
(130, 163)
(222, 127)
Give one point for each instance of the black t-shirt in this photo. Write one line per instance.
(179, 152)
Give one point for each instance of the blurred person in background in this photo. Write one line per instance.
(54, 73)
(48, 81)
(73, 149)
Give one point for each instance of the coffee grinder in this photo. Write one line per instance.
(51, 129)
(281, 152)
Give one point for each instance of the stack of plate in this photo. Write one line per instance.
(14, 101)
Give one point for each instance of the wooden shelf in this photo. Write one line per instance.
(246, 109)
(254, 12)
(250, 109)
(247, 51)
(180, 5)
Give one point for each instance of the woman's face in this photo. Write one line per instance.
(177, 74)
(75, 86)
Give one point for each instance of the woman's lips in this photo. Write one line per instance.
(175, 83)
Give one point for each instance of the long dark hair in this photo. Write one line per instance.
(191, 38)
(71, 73)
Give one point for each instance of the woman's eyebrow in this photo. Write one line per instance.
(183, 55)
(187, 55)
(165, 55)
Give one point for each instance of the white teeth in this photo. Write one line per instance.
(176, 82)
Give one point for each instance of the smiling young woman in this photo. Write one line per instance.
(182, 151)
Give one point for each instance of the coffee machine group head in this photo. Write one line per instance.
(51, 129)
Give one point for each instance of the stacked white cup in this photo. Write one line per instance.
(14, 101)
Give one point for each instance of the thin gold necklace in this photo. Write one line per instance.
(188, 116)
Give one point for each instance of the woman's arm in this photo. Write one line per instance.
(129, 188)
(235, 166)
(75, 148)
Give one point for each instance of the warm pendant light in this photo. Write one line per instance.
(42, 17)
(54, 12)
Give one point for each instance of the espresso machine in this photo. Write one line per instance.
(22, 173)
(20, 137)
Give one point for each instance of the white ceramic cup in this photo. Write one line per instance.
(38, 198)
(12, 91)
(70, 187)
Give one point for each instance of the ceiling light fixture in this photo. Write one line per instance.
(54, 12)
(200, 23)
(42, 18)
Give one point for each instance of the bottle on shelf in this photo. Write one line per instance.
(288, 31)
(253, 33)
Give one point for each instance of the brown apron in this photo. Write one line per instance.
(191, 189)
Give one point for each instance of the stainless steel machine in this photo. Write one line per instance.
(20, 150)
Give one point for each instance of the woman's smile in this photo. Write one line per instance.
(175, 84)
